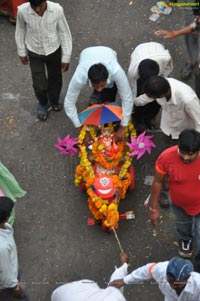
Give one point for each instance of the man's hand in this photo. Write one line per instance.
(117, 283)
(18, 292)
(154, 217)
(24, 60)
(167, 34)
(79, 128)
(120, 133)
(124, 258)
(65, 67)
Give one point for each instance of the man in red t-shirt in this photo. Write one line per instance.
(181, 163)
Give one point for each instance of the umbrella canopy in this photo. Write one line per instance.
(101, 113)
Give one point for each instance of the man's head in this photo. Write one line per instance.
(157, 87)
(148, 68)
(189, 145)
(98, 75)
(39, 6)
(6, 206)
(178, 271)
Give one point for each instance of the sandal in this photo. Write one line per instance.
(57, 107)
(42, 114)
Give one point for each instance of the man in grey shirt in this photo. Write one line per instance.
(8, 254)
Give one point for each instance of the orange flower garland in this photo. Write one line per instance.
(99, 207)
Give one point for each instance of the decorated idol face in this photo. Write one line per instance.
(104, 187)
(106, 132)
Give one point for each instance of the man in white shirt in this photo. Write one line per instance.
(194, 27)
(43, 38)
(147, 59)
(88, 290)
(8, 254)
(180, 104)
(175, 278)
(98, 67)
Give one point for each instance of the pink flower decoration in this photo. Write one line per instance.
(67, 146)
(141, 145)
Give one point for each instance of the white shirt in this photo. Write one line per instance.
(191, 292)
(8, 258)
(150, 50)
(88, 290)
(107, 57)
(43, 35)
(180, 112)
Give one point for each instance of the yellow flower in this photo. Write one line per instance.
(112, 206)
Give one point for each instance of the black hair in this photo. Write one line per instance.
(6, 206)
(98, 73)
(156, 86)
(148, 68)
(189, 141)
(36, 2)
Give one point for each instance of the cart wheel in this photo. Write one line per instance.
(82, 186)
(131, 171)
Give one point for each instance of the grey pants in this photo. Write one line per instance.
(191, 40)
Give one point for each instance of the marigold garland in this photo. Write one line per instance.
(101, 208)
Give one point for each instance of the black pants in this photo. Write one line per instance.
(106, 95)
(47, 76)
(197, 80)
(146, 113)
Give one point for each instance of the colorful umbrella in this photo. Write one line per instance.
(101, 113)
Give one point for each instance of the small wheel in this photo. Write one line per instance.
(131, 171)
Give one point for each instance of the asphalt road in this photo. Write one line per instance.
(55, 245)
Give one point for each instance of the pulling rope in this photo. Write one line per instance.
(117, 238)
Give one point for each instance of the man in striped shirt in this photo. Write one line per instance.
(44, 40)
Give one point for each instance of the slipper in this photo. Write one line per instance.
(57, 107)
(42, 114)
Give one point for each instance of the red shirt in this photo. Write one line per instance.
(183, 179)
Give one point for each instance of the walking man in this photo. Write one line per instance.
(98, 67)
(44, 40)
(176, 279)
(181, 163)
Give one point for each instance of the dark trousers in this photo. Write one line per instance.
(106, 95)
(197, 80)
(146, 113)
(47, 76)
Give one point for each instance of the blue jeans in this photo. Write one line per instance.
(188, 228)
